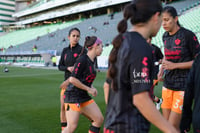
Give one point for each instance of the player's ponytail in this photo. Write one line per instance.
(117, 41)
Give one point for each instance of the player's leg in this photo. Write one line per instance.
(175, 119)
(72, 114)
(176, 113)
(93, 112)
(63, 118)
(167, 96)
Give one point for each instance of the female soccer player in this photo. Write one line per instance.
(180, 48)
(157, 58)
(192, 92)
(130, 107)
(66, 64)
(77, 99)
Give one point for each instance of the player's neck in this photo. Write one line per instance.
(143, 30)
(175, 29)
(91, 55)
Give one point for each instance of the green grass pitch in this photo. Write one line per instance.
(29, 101)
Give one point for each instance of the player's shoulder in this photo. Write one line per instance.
(79, 46)
(66, 49)
(187, 32)
(165, 34)
(82, 58)
(153, 45)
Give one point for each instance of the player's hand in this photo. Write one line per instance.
(70, 68)
(168, 65)
(92, 91)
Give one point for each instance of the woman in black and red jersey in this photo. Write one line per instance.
(130, 108)
(180, 48)
(77, 99)
(66, 64)
(191, 104)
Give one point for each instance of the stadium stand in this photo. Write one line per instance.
(18, 37)
(189, 11)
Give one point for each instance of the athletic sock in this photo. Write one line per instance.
(94, 129)
(158, 100)
(63, 125)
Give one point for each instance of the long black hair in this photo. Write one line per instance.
(172, 11)
(72, 29)
(138, 11)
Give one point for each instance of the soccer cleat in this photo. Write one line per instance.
(159, 104)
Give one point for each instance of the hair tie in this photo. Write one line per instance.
(98, 41)
(87, 37)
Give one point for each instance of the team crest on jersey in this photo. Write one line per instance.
(75, 55)
(177, 41)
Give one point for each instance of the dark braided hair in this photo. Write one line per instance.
(138, 11)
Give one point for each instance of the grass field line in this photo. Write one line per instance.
(30, 75)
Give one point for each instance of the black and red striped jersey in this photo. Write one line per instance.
(183, 46)
(191, 102)
(85, 72)
(68, 58)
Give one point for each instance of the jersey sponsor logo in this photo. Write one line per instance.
(139, 74)
(141, 77)
(172, 57)
(177, 41)
(170, 52)
(90, 78)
